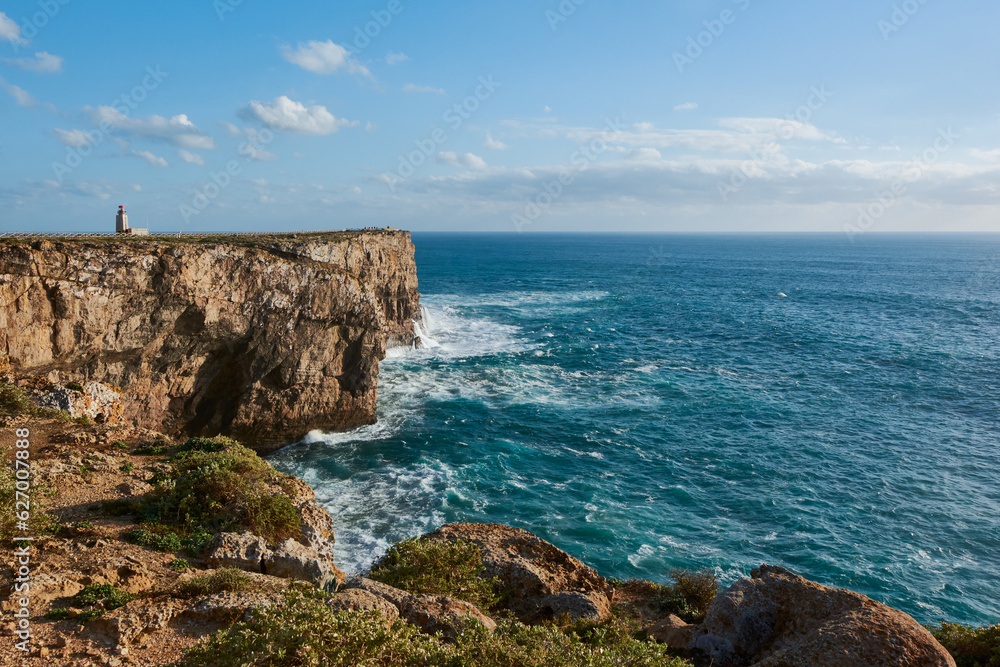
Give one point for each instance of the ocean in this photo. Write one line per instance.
(656, 402)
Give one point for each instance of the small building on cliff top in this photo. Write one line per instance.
(121, 225)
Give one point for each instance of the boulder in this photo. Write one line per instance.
(430, 613)
(244, 551)
(125, 625)
(779, 619)
(289, 559)
(229, 606)
(672, 631)
(97, 401)
(532, 571)
(356, 599)
(578, 605)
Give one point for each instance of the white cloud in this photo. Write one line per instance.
(645, 154)
(992, 156)
(493, 144)
(687, 106)
(177, 130)
(286, 114)
(9, 29)
(466, 160)
(43, 62)
(74, 138)
(154, 160)
(323, 58)
(191, 158)
(395, 58)
(20, 95)
(414, 88)
(231, 129)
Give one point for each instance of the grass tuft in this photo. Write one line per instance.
(221, 581)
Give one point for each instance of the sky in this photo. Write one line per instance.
(853, 117)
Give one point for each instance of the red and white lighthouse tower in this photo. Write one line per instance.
(121, 222)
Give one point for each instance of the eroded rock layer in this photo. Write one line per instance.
(263, 339)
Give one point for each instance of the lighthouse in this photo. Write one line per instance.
(121, 222)
(121, 225)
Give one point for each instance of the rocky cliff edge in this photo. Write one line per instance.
(263, 338)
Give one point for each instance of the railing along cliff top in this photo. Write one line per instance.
(192, 236)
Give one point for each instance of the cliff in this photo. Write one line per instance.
(263, 338)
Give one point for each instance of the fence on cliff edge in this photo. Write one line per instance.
(172, 235)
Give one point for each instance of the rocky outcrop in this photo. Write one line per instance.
(356, 599)
(288, 559)
(429, 613)
(540, 580)
(96, 401)
(778, 619)
(263, 339)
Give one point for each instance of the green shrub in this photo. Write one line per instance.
(127, 467)
(429, 567)
(166, 542)
(14, 401)
(155, 448)
(8, 496)
(196, 542)
(75, 386)
(105, 595)
(304, 631)
(119, 445)
(221, 581)
(697, 588)
(971, 647)
(57, 614)
(226, 489)
(178, 565)
(84, 421)
(39, 521)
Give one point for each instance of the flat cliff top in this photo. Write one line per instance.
(207, 238)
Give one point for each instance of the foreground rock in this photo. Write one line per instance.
(135, 622)
(778, 619)
(541, 581)
(430, 613)
(288, 559)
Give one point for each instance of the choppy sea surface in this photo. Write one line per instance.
(652, 402)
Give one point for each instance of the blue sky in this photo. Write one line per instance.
(585, 115)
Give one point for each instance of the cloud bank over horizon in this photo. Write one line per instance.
(331, 116)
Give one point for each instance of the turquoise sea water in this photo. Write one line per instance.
(651, 402)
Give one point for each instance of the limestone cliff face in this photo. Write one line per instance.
(263, 339)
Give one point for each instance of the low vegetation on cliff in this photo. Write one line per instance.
(425, 567)
(214, 485)
(971, 647)
(304, 631)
